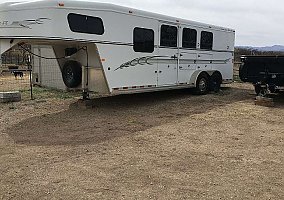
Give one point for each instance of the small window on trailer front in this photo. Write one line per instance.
(168, 36)
(189, 38)
(206, 40)
(85, 24)
(143, 40)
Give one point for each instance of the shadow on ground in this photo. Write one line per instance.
(119, 116)
(278, 99)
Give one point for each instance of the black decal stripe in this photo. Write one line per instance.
(166, 60)
(108, 43)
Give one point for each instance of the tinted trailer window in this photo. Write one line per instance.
(143, 40)
(189, 38)
(85, 24)
(168, 36)
(206, 40)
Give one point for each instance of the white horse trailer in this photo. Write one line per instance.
(112, 50)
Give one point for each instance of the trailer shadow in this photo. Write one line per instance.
(119, 116)
(278, 100)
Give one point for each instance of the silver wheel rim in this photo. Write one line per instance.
(70, 74)
(202, 85)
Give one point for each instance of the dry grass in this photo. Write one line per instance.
(8, 82)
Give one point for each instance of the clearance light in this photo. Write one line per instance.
(61, 4)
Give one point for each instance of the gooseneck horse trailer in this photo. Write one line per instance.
(112, 50)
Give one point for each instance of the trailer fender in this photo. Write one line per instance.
(195, 75)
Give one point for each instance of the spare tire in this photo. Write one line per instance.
(72, 74)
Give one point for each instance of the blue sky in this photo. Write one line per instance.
(257, 22)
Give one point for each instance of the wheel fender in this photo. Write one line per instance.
(196, 74)
(194, 77)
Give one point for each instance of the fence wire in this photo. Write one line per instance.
(15, 77)
(44, 75)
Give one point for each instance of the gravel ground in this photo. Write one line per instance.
(164, 145)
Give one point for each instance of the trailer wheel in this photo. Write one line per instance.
(215, 82)
(72, 74)
(257, 89)
(260, 91)
(243, 72)
(202, 84)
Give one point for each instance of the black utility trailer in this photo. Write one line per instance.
(265, 72)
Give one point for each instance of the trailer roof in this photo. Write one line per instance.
(88, 5)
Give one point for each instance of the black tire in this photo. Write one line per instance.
(215, 82)
(261, 91)
(257, 89)
(72, 74)
(202, 84)
(243, 72)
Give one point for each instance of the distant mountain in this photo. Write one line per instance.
(275, 48)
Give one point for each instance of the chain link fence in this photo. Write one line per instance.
(15, 75)
(32, 76)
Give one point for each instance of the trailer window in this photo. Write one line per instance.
(143, 40)
(85, 24)
(189, 38)
(206, 40)
(168, 36)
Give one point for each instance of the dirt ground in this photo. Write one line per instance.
(164, 145)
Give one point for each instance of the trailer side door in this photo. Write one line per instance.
(188, 54)
(168, 54)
